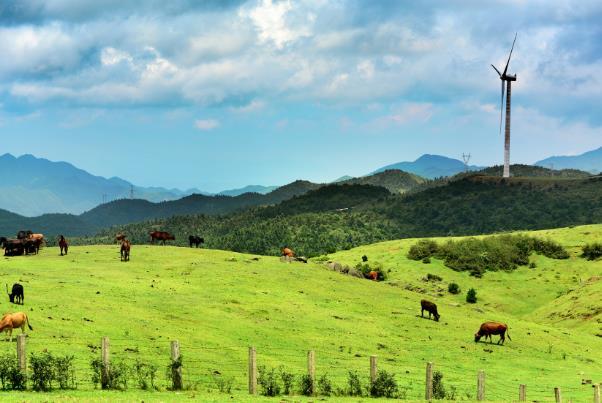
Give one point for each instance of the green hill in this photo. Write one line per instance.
(395, 181)
(218, 303)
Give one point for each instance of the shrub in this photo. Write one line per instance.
(287, 381)
(145, 375)
(354, 384)
(471, 296)
(366, 268)
(324, 386)
(453, 288)
(532, 265)
(592, 251)
(433, 277)
(268, 381)
(65, 372)
(438, 387)
(364, 258)
(224, 384)
(422, 249)
(11, 378)
(118, 373)
(306, 385)
(426, 260)
(384, 385)
(46, 370)
(173, 373)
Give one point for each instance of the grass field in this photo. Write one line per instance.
(218, 303)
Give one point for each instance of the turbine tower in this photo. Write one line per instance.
(507, 81)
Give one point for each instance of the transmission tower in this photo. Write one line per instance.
(466, 159)
(132, 192)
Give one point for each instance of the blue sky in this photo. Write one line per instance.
(220, 94)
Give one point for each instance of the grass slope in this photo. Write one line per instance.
(217, 303)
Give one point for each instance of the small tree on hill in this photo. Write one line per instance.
(471, 296)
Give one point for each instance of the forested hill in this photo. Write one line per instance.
(469, 206)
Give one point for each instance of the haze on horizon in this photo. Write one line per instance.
(221, 94)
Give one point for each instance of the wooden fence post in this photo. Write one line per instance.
(252, 371)
(522, 393)
(104, 355)
(311, 369)
(558, 395)
(176, 366)
(481, 385)
(597, 393)
(428, 395)
(21, 356)
(373, 368)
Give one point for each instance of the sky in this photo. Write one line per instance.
(221, 94)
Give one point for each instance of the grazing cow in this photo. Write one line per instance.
(16, 296)
(161, 236)
(490, 328)
(63, 245)
(31, 246)
(120, 237)
(195, 240)
(24, 234)
(13, 247)
(36, 237)
(12, 321)
(125, 250)
(373, 275)
(288, 252)
(431, 308)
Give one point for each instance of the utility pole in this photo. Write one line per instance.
(132, 192)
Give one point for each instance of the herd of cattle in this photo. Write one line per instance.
(28, 242)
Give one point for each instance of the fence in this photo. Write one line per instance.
(199, 372)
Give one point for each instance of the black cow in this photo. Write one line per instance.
(24, 234)
(431, 308)
(195, 240)
(31, 246)
(16, 296)
(13, 247)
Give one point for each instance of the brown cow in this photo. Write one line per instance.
(161, 236)
(489, 328)
(37, 237)
(288, 252)
(125, 250)
(63, 245)
(12, 321)
(431, 308)
(120, 237)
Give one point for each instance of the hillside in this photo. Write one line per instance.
(590, 161)
(394, 180)
(33, 186)
(219, 303)
(430, 166)
(248, 189)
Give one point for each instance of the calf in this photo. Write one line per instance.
(16, 295)
(12, 321)
(431, 308)
(195, 240)
(490, 328)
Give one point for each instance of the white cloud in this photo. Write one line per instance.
(253, 106)
(206, 124)
(407, 113)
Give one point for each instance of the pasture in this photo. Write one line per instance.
(217, 303)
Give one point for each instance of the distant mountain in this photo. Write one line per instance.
(32, 186)
(431, 166)
(248, 189)
(394, 180)
(590, 161)
(342, 179)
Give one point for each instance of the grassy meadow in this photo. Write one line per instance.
(217, 303)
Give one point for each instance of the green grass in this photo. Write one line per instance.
(218, 303)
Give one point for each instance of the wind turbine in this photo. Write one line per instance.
(507, 81)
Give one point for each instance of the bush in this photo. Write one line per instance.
(11, 378)
(433, 277)
(422, 249)
(592, 251)
(453, 288)
(364, 258)
(306, 385)
(173, 373)
(324, 386)
(384, 385)
(224, 384)
(268, 381)
(118, 373)
(426, 260)
(46, 370)
(471, 296)
(354, 384)
(287, 380)
(532, 265)
(145, 375)
(438, 387)
(366, 268)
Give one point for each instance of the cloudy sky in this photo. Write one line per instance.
(218, 94)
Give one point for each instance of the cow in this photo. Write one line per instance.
(16, 296)
(490, 328)
(12, 321)
(195, 240)
(24, 234)
(31, 246)
(431, 308)
(288, 252)
(63, 245)
(373, 275)
(161, 236)
(125, 250)
(13, 247)
(36, 237)
(120, 237)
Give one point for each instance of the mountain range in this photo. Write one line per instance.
(431, 166)
(590, 161)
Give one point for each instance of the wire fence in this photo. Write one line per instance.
(208, 367)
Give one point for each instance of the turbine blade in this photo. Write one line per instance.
(498, 72)
(510, 55)
(502, 107)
